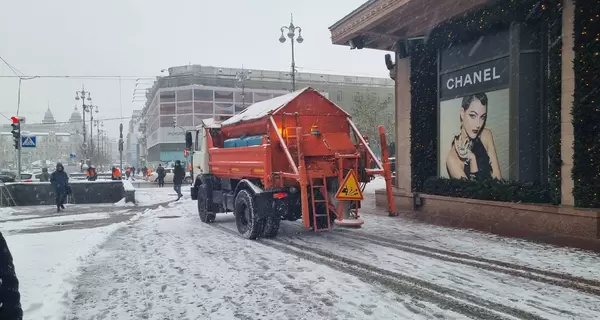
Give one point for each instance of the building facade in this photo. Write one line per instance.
(132, 146)
(55, 141)
(516, 83)
(179, 102)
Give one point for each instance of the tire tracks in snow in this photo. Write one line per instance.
(544, 276)
(457, 301)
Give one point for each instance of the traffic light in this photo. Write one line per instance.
(174, 121)
(16, 132)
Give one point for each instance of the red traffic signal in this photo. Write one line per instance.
(186, 152)
(14, 119)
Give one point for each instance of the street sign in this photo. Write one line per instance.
(350, 188)
(72, 156)
(28, 141)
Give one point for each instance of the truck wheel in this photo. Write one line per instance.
(205, 215)
(271, 227)
(246, 217)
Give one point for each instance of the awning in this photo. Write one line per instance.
(380, 23)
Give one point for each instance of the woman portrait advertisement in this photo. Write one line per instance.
(473, 153)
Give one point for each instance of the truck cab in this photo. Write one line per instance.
(197, 143)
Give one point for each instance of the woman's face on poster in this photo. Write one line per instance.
(473, 118)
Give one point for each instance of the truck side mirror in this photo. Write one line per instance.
(188, 140)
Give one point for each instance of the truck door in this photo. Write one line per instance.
(200, 156)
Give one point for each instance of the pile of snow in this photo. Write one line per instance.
(153, 196)
(128, 186)
(47, 265)
(6, 212)
(124, 203)
(375, 184)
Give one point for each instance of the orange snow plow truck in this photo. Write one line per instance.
(296, 156)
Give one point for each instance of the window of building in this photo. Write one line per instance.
(224, 96)
(185, 108)
(261, 96)
(246, 97)
(224, 108)
(167, 96)
(184, 95)
(203, 107)
(167, 108)
(166, 121)
(199, 117)
(203, 95)
(185, 121)
(240, 107)
(339, 96)
(357, 96)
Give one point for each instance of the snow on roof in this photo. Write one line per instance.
(263, 108)
(211, 123)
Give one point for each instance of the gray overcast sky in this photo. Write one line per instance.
(139, 38)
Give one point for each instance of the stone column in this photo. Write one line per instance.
(403, 168)
(568, 88)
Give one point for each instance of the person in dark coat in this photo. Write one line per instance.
(45, 176)
(10, 298)
(160, 171)
(178, 177)
(60, 180)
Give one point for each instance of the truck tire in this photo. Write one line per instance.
(248, 223)
(271, 227)
(205, 215)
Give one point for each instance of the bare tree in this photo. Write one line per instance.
(368, 113)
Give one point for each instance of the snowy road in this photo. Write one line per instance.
(169, 265)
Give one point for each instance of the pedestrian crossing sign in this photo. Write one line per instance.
(350, 188)
(28, 142)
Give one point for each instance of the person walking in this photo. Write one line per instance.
(161, 175)
(60, 180)
(178, 177)
(10, 298)
(45, 176)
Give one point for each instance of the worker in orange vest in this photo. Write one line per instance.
(91, 173)
(116, 173)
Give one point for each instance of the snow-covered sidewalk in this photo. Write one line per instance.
(48, 261)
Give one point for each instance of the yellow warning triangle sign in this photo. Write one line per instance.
(350, 189)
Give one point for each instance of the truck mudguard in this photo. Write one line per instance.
(247, 184)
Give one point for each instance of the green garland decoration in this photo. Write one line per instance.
(424, 103)
(586, 105)
(553, 101)
(423, 117)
